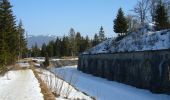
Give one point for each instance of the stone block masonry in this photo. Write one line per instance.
(144, 69)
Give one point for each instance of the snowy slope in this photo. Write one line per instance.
(103, 89)
(20, 85)
(55, 83)
(141, 40)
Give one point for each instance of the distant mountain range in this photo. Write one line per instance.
(39, 40)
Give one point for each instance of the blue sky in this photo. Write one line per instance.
(58, 16)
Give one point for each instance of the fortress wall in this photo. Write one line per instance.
(146, 69)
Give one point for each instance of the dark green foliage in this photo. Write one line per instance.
(72, 39)
(63, 46)
(43, 50)
(78, 41)
(35, 51)
(50, 49)
(101, 35)
(120, 23)
(57, 48)
(95, 41)
(161, 17)
(12, 41)
(22, 43)
(9, 29)
(98, 38)
(46, 63)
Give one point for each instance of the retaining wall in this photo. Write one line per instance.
(147, 69)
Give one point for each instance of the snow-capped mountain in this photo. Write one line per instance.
(39, 40)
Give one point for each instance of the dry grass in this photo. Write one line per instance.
(16, 67)
(48, 95)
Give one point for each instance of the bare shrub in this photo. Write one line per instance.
(69, 87)
(58, 85)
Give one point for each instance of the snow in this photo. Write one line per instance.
(23, 64)
(37, 64)
(103, 89)
(20, 85)
(142, 40)
(39, 59)
(42, 59)
(64, 59)
(55, 83)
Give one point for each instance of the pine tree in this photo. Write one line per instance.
(87, 43)
(161, 17)
(120, 23)
(35, 51)
(8, 34)
(95, 40)
(46, 63)
(2, 43)
(64, 49)
(101, 35)
(43, 50)
(22, 44)
(9, 27)
(72, 39)
(78, 41)
(50, 49)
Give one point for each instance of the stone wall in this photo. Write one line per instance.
(147, 69)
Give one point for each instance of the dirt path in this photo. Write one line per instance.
(22, 85)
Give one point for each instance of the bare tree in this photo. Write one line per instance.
(141, 9)
(152, 6)
(133, 23)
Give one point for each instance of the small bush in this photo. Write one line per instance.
(46, 63)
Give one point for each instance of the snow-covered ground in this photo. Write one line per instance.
(62, 87)
(39, 59)
(20, 85)
(23, 64)
(103, 89)
(42, 59)
(141, 40)
(64, 59)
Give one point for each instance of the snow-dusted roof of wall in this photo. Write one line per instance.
(141, 40)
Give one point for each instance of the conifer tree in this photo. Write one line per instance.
(8, 34)
(46, 63)
(120, 23)
(87, 43)
(50, 49)
(64, 50)
(161, 17)
(57, 46)
(22, 45)
(9, 28)
(43, 50)
(72, 39)
(2, 42)
(95, 40)
(35, 51)
(78, 41)
(101, 34)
